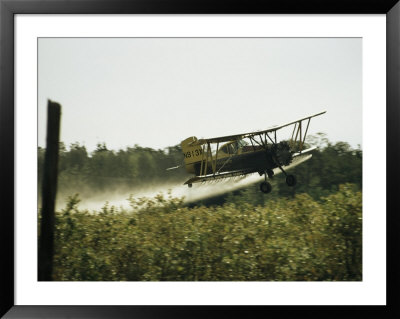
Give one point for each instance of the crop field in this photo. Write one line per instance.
(297, 239)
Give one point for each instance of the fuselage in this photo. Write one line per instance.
(235, 156)
(258, 161)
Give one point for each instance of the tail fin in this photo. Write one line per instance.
(192, 153)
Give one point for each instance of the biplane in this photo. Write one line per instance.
(238, 155)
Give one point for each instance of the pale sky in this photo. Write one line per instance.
(155, 92)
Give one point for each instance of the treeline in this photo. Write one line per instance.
(295, 239)
(104, 170)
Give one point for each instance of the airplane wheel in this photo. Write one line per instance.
(291, 180)
(190, 185)
(265, 187)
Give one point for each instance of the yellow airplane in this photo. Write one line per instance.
(246, 153)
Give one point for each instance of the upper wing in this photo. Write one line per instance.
(229, 138)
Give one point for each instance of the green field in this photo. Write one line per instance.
(297, 239)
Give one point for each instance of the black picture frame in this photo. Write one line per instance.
(9, 8)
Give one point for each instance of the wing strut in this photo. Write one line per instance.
(299, 137)
(216, 159)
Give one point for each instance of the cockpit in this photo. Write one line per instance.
(234, 147)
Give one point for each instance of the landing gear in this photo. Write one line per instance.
(265, 187)
(291, 180)
(190, 185)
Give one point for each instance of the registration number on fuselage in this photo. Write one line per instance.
(193, 153)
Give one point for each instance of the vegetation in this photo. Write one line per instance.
(311, 232)
(105, 170)
(159, 239)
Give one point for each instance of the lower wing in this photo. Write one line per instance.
(305, 151)
(298, 158)
(212, 177)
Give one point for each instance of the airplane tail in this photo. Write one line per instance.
(192, 153)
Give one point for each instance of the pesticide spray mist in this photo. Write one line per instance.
(199, 191)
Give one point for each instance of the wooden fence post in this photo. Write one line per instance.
(49, 190)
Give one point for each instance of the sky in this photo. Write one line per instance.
(155, 92)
